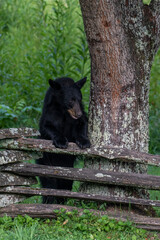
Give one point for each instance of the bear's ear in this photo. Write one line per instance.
(81, 82)
(55, 85)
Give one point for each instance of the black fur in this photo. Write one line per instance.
(63, 120)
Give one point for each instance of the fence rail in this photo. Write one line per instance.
(27, 191)
(112, 153)
(16, 177)
(86, 175)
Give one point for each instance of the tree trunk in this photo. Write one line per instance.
(123, 37)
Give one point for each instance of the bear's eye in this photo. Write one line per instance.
(71, 103)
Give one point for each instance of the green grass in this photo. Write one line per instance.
(70, 226)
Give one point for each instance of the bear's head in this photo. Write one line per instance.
(68, 95)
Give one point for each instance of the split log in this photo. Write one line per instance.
(8, 199)
(8, 179)
(81, 196)
(48, 211)
(18, 132)
(11, 156)
(86, 175)
(111, 153)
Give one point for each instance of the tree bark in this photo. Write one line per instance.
(123, 37)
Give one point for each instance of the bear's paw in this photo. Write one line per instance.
(60, 142)
(83, 142)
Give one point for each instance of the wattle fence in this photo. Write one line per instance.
(16, 176)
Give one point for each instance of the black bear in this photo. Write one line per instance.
(63, 120)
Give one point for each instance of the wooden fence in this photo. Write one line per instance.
(16, 177)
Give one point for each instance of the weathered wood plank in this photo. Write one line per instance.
(47, 211)
(86, 175)
(18, 132)
(107, 152)
(150, 227)
(8, 179)
(81, 196)
(8, 199)
(11, 156)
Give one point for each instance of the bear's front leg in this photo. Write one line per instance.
(60, 142)
(81, 138)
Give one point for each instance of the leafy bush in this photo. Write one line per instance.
(39, 40)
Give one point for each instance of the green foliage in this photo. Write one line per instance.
(155, 106)
(39, 40)
(146, 2)
(69, 225)
(154, 121)
(18, 115)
